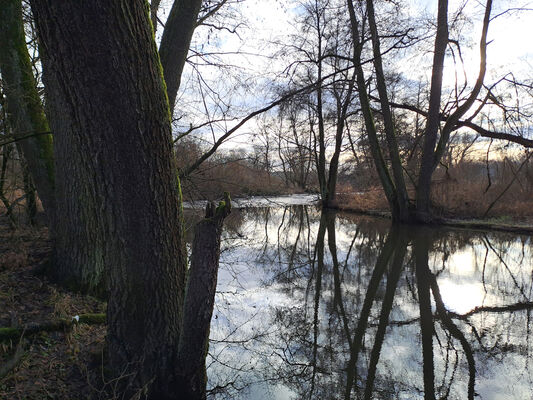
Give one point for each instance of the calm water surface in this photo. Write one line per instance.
(327, 305)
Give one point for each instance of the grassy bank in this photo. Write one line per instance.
(459, 208)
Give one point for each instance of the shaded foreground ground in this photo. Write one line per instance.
(49, 365)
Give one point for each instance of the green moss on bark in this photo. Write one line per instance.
(25, 110)
(51, 326)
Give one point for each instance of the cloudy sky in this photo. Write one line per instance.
(267, 21)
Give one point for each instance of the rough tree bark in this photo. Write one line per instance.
(111, 119)
(25, 110)
(78, 267)
(116, 175)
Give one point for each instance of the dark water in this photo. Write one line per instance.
(315, 305)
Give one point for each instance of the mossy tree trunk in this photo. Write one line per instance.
(78, 267)
(116, 176)
(7, 152)
(24, 107)
(78, 257)
(111, 118)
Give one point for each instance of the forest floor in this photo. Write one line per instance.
(48, 365)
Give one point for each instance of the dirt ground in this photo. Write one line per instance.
(55, 365)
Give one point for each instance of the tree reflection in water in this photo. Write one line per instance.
(328, 306)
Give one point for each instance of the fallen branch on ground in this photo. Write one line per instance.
(61, 324)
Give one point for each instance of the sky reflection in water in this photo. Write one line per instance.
(328, 306)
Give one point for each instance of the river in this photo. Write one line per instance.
(326, 305)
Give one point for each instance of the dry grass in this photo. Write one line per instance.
(237, 177)
(57, 365)
(232, 171)
(13, 259)
(463, 193)
(372, 199)
(460, 195)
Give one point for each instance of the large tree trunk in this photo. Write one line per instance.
(381, 167)
(342, 111)
(390, 134)
(431, 155)
(116, 176)
(433, 120)
(175, 43)
(25, 110)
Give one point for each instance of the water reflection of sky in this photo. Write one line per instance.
(283, 324)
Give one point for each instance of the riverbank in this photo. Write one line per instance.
(490, 224)
(373, 203)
